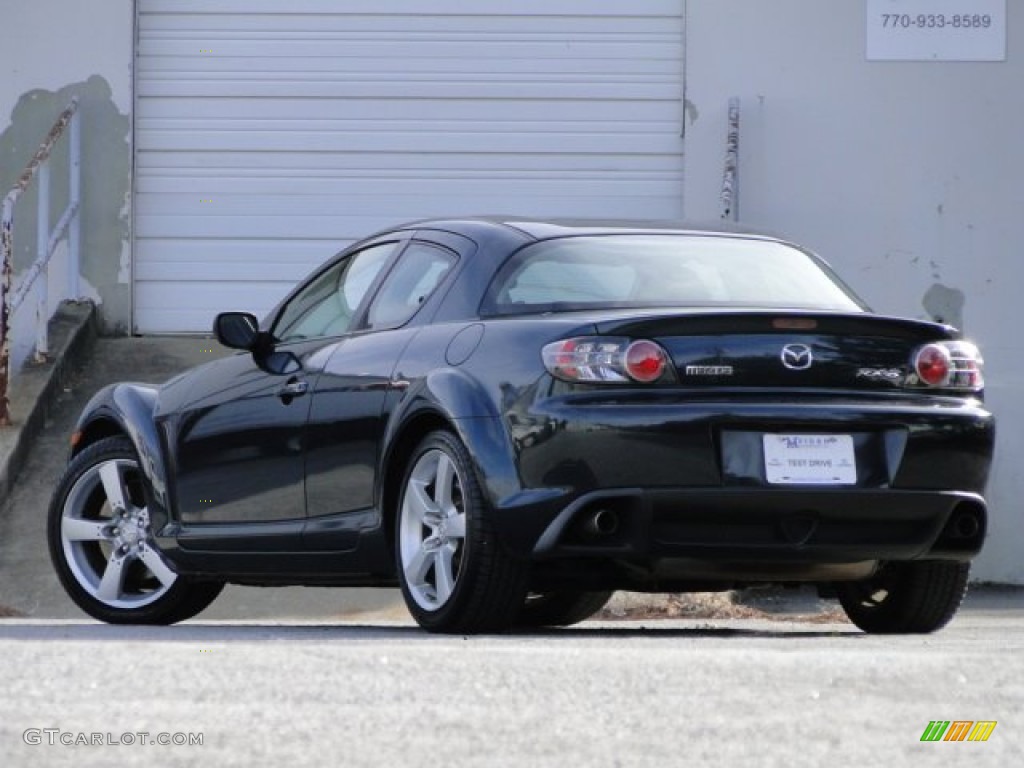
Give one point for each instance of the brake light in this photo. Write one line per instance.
(604, 359)
(949, 365)
(645, 361)
(932, 364)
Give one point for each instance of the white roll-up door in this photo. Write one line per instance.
(271, 133)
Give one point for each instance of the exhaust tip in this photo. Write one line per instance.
(603, 522)
(600, 524)
(966, 525)
(964, 532)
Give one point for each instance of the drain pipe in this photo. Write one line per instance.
(730, 177)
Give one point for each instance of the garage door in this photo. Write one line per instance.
(271, 133)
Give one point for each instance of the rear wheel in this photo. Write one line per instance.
(101, 543)
(906, 598)
(455, 576)
(560, 609)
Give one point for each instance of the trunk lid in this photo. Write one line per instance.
(784, 349)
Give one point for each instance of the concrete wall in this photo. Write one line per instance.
(906, 176)
(51, 50)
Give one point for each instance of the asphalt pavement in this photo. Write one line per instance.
(671, 693)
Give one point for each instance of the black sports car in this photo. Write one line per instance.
(511, 419)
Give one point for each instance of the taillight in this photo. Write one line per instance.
(949, 365)
(645, 361)
(603, 359)
(933, 365)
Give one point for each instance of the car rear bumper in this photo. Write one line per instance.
(739, 524)
(687, 479)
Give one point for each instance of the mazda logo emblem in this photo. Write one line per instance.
(797, 357)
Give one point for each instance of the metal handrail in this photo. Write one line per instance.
(46, 242)
(730, 177)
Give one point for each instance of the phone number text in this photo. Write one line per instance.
(936, 21)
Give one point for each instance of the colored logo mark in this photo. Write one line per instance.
(958, 730)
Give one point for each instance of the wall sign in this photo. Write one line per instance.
(936, 30)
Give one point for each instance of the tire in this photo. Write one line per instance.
(455, 575)
(560, 609)
(906, 598)
(101, 543)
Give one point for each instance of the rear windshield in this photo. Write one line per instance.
(663, 270)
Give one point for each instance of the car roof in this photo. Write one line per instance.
(543, 229)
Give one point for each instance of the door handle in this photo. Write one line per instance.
(293, 388)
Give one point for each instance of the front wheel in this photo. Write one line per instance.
(101, 543)
(455, 575)
(906, 598)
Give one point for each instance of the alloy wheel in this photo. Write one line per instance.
(432, 529)
(106, 536)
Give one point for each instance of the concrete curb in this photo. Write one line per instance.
(72, 333)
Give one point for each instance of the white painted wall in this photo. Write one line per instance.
(48, 45)
(904, 175)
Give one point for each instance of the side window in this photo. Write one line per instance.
(419, 271)
(327, 305)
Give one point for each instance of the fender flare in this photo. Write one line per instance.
(460, 401)
(131, 407)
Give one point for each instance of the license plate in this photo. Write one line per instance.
(809, 460)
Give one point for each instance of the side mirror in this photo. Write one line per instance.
(237, 330)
